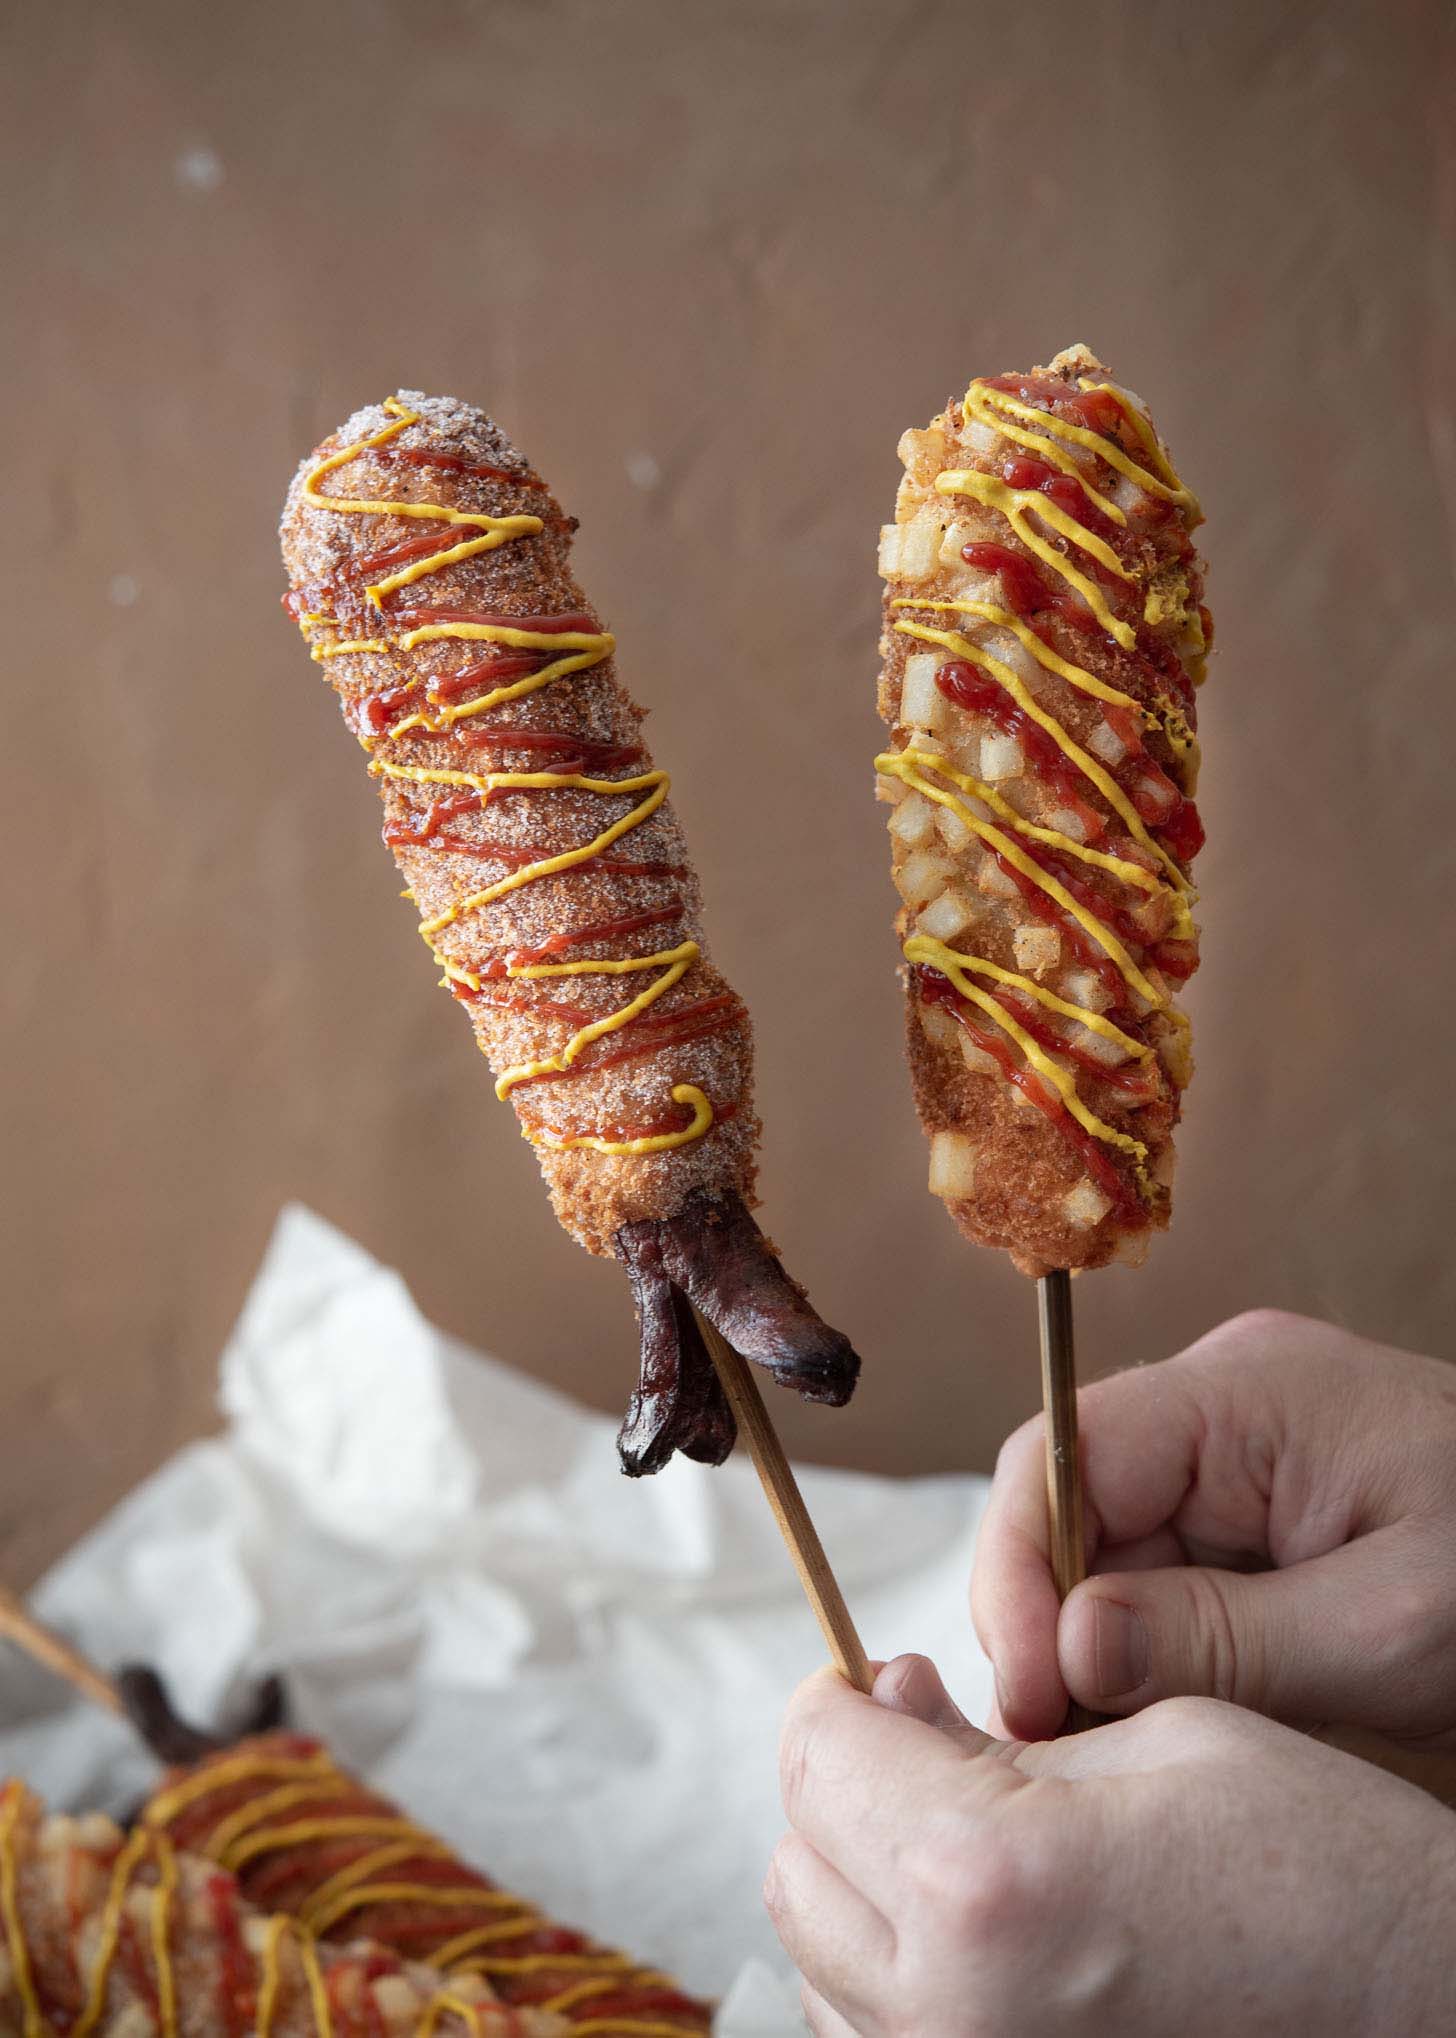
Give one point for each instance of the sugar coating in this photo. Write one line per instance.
(593, 1194)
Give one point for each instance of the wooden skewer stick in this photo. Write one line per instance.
(821, 1587)
(19, 1625)
(1063, 1460)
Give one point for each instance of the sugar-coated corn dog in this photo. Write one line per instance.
(430, 575)
(105, 1936)
(1044, 637)
(305, 1838)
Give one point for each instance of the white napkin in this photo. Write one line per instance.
(574, 1677)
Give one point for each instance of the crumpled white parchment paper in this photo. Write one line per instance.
(574, 1677)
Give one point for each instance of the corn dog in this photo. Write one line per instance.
(1044, 637)
(103, 1936)
(429, 574)
(307, 1839)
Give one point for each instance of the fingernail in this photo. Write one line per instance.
(1119, 1648)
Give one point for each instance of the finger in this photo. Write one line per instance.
(1158, 1552)
(1013, 1597)
(1164, 1449)
(841, 1944)
(1173, 1734)
(912, 1685)
(1362, 1636)
(859, 1781)
(824, 2020)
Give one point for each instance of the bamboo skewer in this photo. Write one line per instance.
(19, 1625)
(821, 1587)
(1063, 1459)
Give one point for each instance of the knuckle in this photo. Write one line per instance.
(1225, 1655)
(816, 1754)
(1210, 1723)
(1023, 1446)
(974, 1892)
(1249, 1337)
(796, 1748)
(1262, 1322)
(1410, 1621)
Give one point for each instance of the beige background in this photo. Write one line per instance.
(704, 263)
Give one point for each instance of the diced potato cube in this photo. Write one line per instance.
(913, 822)
(1085, 988)
(938, 1026)
(396, 1998)
(957, 535)
(952, 1166)
(922, 453)
(1067, 823)
(920, 543)
(1111, 1053)
(1011, 651)
(963, 750)
(1131, 500)
(890, 549)
(922, 704)
(1085, 1205)
(921, 876)
(976, 1058)
(993, 879)
(1155, 916)
(1001, 757)
(952, 830)
(1036, 949)
(979, 436)
(947, 916)
(1104, 742)
(1175, 1046)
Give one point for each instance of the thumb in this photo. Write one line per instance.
(912, 1685)
(1348, 1636)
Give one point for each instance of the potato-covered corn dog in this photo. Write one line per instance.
(305, 1838)
(1044, 637)
(430, 575)
(104, 1936)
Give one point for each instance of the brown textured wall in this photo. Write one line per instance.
(704, 263)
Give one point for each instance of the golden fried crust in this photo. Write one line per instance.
(317, 1856)
(593, 1193)
(141, 1927)
(1033, 1186)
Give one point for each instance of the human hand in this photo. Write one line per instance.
(1196, 1869)
(1271, 1519)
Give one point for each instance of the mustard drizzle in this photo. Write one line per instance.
(150, 1844)
(350, 1889)
(15, 1942)
(999, 409)
(1013, 419)
(902, 764)
(1168, 716)
(582, 650)
(1096, 774)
